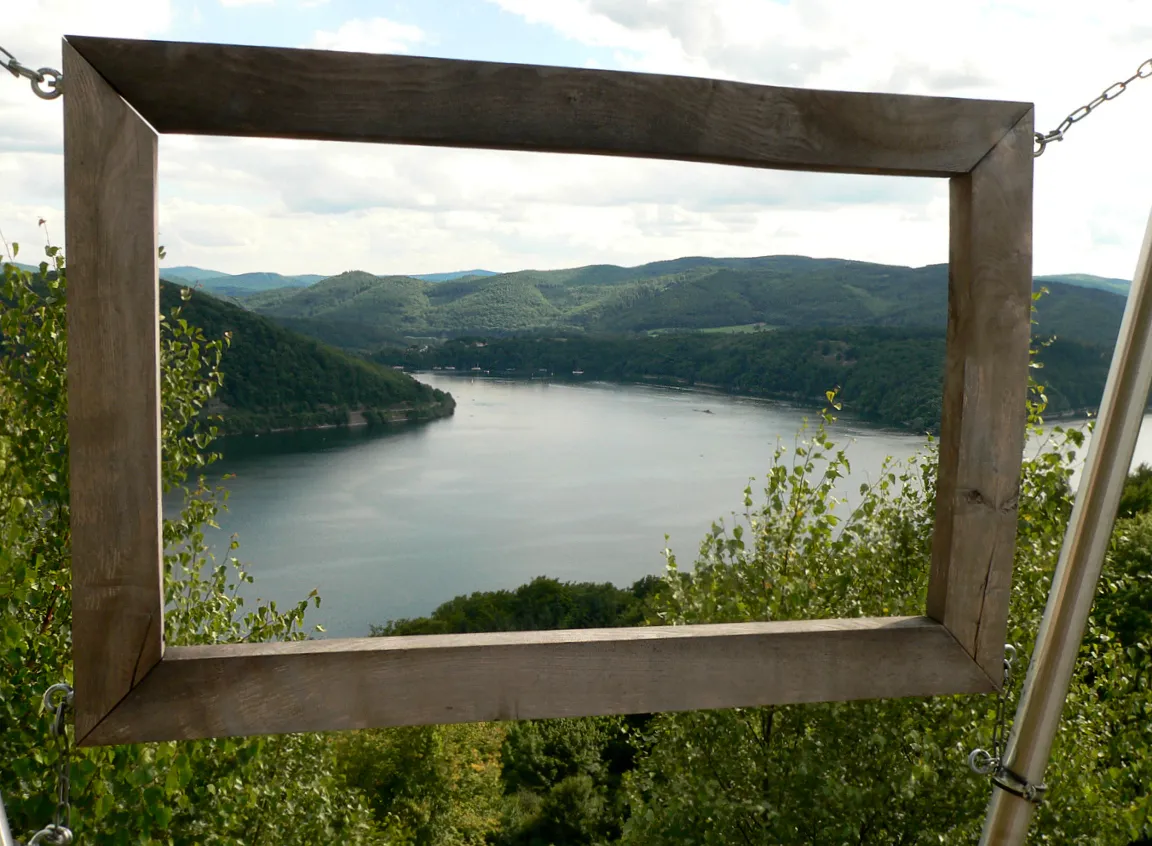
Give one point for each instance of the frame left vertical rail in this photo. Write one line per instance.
(110, 178)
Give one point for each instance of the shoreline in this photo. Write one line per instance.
(354, 419)
(1084, 414)
(672, 383)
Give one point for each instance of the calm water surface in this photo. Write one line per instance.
(579, 482)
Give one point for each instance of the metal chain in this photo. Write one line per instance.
(38, 78)
(1110, 93)
(57, 701)
(983, 761)
(991, 762)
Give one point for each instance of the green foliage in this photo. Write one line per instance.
(428, 785)
(1136, 497)
(276, 790)
(687, 294)
(559, 780)
(563, 781)
(274, 378)
(1126, 595)
(888, 771)
(542, 604)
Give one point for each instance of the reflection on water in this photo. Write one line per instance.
(579, 482)
(239, 449)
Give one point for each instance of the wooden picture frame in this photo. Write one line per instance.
(130, 688)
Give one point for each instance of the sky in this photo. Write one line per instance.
(239, 205)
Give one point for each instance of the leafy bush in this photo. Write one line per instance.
(892, 771)
(266, 790)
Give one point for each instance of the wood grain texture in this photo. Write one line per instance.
(213, 691)
(212, 89)
(113, 392)
(985, 385)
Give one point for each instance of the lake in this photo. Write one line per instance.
(576, 481)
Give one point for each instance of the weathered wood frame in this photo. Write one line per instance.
(130, 688)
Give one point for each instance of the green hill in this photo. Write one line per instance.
(681, 294)
(275, 378)
(1086, 280)
(235, 284)
(455, 274)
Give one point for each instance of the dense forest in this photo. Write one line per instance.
(275, 378)
(687, 293)
(889, 376)
(542, 604)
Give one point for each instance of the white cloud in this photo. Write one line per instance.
(1055, 53)
(323, 207)
(230, 3)
(31, 135)
(377, 35)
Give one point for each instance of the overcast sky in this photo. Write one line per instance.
(302, 207)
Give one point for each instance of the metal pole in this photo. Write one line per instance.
(6, 838)
(1081, 557)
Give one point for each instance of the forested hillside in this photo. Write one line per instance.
(274, 378)
(889, 376)
(1087, 280)
(687, 293)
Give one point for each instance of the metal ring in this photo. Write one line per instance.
(1009, 655)
(55, 83)
(982, 762)
(1041, 143)
(57, 835)
(61, 687)
(1145, 69)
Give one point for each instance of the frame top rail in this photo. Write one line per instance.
(273, 92)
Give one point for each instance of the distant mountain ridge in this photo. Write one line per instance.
(237, 284)
(260, 281)
(456, 274)
(241, 284)
(1087, 280)
(358, 310)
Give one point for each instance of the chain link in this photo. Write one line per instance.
(1110, 93)
(38, 78)
(57, 701)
